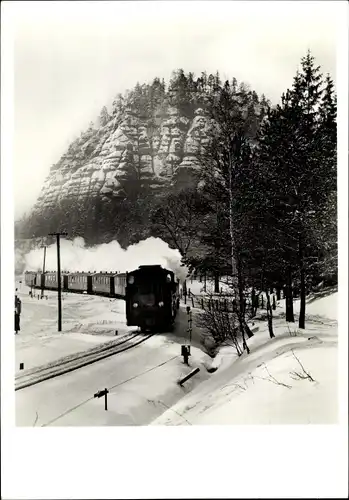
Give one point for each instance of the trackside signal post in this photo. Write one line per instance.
(59, 282)
(190, 323)
(185, 349)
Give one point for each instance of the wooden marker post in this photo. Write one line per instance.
(185, 351)
(100, 394)
(187, 377)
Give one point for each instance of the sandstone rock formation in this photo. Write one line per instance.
(112, 177)
(94, 164)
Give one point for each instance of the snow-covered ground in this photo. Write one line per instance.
(86, 321)
(142, 384)
(142, 381)
(291, 379)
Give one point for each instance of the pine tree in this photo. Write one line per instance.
(103, 117)
(180, 93)
(300, 175)
(118, 106)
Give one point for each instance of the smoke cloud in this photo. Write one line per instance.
(75, 256)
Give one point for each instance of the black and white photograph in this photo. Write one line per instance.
(174, 183)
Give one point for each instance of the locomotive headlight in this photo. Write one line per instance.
(135, 304)
(161, 304)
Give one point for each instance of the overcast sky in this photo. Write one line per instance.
(71, 58)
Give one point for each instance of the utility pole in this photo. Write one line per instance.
(43, 272)
(59, 282)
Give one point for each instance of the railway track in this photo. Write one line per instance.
(34, 376)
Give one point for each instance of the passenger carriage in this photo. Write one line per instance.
(120, 285)
(103, 284)
(79, 282)
(40, 280)
(50, 280)
(30, 278)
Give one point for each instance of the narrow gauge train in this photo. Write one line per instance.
(151, 292)
(107, 284)
(152, 298)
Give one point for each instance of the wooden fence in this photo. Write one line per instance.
(224, 303)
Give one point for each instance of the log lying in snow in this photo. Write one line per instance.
(187, 377)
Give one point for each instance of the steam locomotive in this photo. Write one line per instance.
(152, 297)
(151, 292)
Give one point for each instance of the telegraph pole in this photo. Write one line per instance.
(59, 282)
(43, 272)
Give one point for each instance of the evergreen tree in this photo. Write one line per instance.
(299, 176)
(103, 117)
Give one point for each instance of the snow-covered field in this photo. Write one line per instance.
(87, 321)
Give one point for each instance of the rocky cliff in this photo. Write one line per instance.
(148, 144)
(96, 164)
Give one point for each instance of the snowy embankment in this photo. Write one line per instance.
(290, 379)
(87, 321)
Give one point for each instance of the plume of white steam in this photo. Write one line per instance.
(75, 256)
